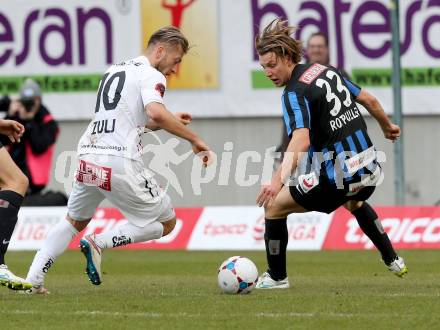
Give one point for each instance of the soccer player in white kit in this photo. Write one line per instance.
(130, 98)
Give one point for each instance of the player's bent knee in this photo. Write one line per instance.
(78, 225)
(21, 183)
(275, 212)
(168, 226)
(353, 205)
(18, 182)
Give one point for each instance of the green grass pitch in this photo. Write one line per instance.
(178, 290)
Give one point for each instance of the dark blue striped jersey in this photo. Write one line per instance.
(319, 98)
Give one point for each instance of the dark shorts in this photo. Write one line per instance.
(327, 198)
(1, 145)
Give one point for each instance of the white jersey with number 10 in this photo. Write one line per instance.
(124, 91)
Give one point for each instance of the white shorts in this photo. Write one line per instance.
(125, 183)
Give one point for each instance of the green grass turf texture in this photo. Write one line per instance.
(178, 290)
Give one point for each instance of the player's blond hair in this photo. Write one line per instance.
(276, 37)
(170, 35)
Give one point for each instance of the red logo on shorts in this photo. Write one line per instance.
(160, 88)
(95, 175)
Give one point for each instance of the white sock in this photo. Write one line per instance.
(127, 234)
(55, 244)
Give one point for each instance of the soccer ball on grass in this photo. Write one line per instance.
(237, 275)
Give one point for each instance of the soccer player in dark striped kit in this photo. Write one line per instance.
(330, 160)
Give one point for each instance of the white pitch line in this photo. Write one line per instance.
(293, 314)
(195, 315)
(161, 315)
(88, 313)
(409, 295)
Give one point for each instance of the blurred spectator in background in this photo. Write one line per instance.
(33, 155)
(317, 51)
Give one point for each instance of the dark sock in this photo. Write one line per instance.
(370, 224)
(10, 203)
(276, 238)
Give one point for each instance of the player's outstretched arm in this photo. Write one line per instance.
(184, 117)
(373, 106)
(167, 121)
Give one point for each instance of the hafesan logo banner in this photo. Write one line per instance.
(67, 47)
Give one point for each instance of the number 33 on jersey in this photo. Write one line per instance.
(318, 97)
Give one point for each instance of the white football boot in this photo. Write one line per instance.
(8, 279)
(398, 267)
(267, 282)
(92, 252)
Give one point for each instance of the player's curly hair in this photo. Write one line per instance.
(276, 37)
(170, 35)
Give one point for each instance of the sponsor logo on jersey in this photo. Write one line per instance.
(160, 88)
(312, 73)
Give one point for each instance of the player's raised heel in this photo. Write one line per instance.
(9, 280)
(92, 252)
(267, 282)
(398, 267)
